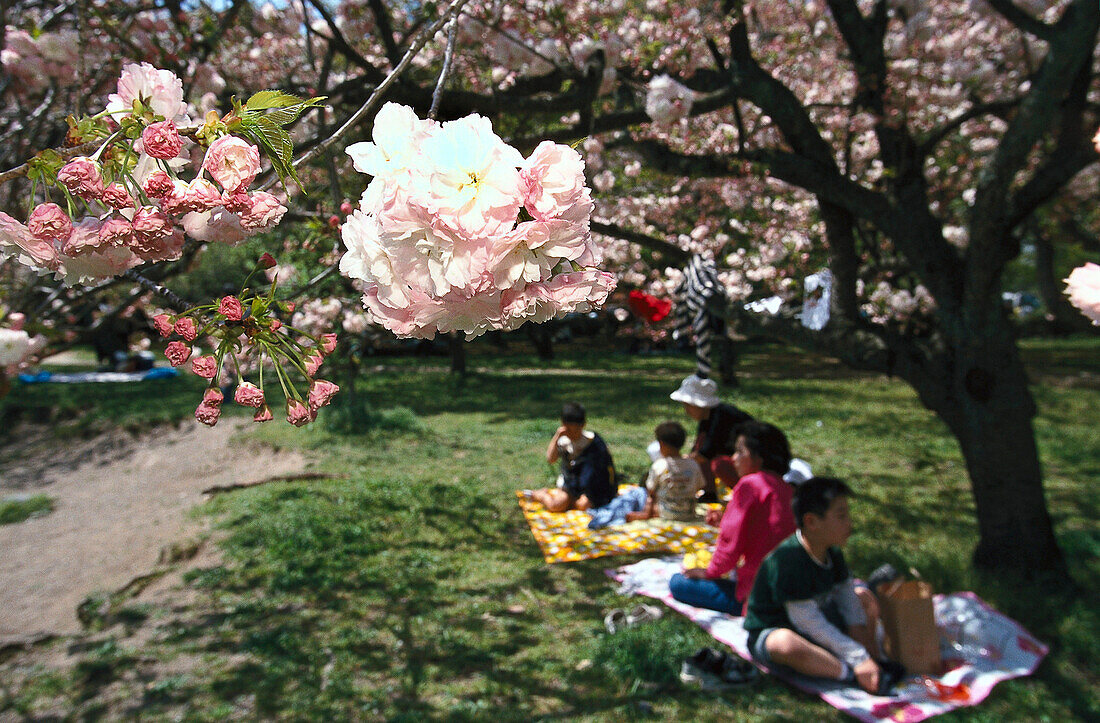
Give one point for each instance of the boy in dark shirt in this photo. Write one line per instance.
(587, 472)
(803, 611)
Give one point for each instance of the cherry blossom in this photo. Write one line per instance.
(436, 237)
(1083, 289)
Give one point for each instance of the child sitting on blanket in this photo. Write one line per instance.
(804, 611)
(674, 481)
(756, 519)
(587, 472)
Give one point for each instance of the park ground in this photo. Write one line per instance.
(383, 570)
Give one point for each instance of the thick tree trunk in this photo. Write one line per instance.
(985, 400)
(458, 353)
(1062, 317)
(542, 337)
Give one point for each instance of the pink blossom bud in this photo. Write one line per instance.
(16, 320)
(157, 185)
(237, 202)
(151, 223)
(328, 343)
(162, 140)
(290, 306)
(346, 208)
(276, 325)
(297, 413)
(202, 195)
(163, 324)
(313, 363)
(334, 221)
(267, 261)
(81, 176)
(232, 162)
(213, 396)
(249, 395)
(116, 231)
(205, 366)
(263, 414)
(230, 308)
(116, 196)
(49, 223)
(186, 328)
(321, 393)
(208, 413)
(177, 352)
(264, 212)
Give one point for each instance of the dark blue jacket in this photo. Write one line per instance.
(592, 473)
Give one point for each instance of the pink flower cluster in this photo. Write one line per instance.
(1083, 289)
(458, 232)
(667, 101)
(17, 346)
(229, 321)
(146, 212)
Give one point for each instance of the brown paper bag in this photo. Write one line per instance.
(910, 622)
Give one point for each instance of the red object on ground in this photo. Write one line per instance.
(648, 307)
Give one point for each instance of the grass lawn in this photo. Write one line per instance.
(408, 586)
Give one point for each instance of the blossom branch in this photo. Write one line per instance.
(448, 57)
(65, 153)
(177, 303)
(380, 91)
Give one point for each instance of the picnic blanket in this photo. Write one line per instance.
(981, 648)
(566, 537)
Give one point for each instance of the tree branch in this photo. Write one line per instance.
(992, 216)
(385, 29)
(675, 254)
(340, 42)
(998, 108)
(1018, 17)
(380, 91)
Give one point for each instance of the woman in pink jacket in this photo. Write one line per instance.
(757, 518)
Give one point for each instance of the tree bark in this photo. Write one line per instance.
(458, 353)
(984, 399)
(1063, 318)
(542, 337)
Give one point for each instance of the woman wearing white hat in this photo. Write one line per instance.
(716, 433)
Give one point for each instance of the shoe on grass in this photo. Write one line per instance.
(714, 671)
(616, 620)
(643, 614)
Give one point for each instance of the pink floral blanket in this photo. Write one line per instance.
(981, 647)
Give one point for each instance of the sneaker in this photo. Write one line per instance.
(714, 671)
(737, 672)
(643, 614)
(615, 621)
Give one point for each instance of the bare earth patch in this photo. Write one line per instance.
(119, 500)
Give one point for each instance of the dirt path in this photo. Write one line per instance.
(118, 501)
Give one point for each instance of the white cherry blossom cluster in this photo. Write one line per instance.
(458, 232)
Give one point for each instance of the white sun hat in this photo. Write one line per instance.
(697, 391)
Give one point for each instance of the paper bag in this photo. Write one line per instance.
(910, 622)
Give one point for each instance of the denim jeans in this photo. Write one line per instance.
(710, 594)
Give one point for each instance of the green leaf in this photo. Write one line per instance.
(284, 116)
(271, 99)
